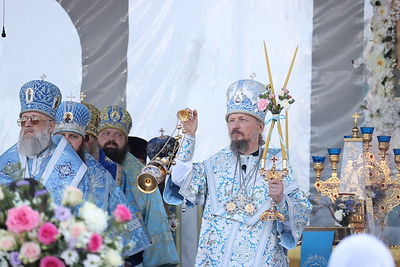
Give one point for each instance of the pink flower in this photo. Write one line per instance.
(262, 104)
(7, 243)
(51, 261)
(95, 243)
(122, 214)
(30, 251)
(22, 218)
(47, 233)
(77, 229)
(271, 96)
(286, 91)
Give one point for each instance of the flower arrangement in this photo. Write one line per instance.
(343, 208)
(381, 109)
(36, 232)
(274, 103)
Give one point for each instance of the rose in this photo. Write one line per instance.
(7, 243)
(30, 251)
(22, 218)
(47, 233)
(51, 261)
(95, 218)
(112, 258)
(122, 214)
(77, 229)
(95, 243)
(263, 104)
(73, 229)
(72, 196)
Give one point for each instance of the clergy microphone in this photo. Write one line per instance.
(3, 33)
(244, 167)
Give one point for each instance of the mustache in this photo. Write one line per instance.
(28, 130)
(236, 131)
(111, 143)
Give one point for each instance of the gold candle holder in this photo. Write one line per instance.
(334, 157)
(383, 145)
(334, 160)
(318, 163)
(396, 152)
(367, 136)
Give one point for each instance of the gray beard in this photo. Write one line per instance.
(239, 146)
(33, 146)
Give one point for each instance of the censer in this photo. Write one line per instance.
(157, 169)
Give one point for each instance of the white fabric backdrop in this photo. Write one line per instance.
(186, 53)
(41, 39)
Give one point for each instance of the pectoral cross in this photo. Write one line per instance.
(82, 96)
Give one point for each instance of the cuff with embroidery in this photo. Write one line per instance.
(187, 148)
(283, 207)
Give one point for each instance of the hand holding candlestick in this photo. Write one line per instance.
(274, 178)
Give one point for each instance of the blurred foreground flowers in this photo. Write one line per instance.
(36, 232)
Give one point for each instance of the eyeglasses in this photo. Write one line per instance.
(34, 120)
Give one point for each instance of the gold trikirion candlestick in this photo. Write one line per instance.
(271, 174)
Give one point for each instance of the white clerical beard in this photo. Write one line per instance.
(33, 145)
